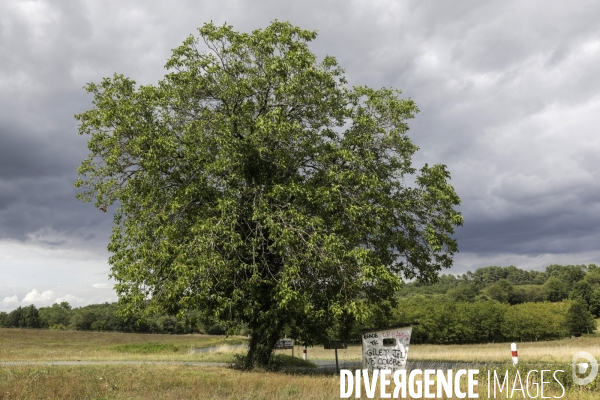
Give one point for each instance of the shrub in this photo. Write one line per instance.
(579, 319)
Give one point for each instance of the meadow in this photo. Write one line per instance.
(49, 345)
(182, 381)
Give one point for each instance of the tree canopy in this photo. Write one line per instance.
(254, 185)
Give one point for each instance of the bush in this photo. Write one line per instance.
(57, 314)
(581, 290)
(535, 321)
(442, 321)
(464, 292)
(593, 277)
(216, 329)
(579, 319)
(527, 294)
(595, 303)
(554, 290)
(501, 291)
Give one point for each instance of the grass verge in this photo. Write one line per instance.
(184, 382)
(145, 348)
(293, 362)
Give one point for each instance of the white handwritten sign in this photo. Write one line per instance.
(386, 349)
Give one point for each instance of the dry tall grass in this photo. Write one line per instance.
(546, 351)
(181, 382)
(531, 352)
(46, 345)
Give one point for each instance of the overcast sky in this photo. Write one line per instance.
(509, 93)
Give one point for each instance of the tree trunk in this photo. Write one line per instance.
(263, 338)
(265, 324)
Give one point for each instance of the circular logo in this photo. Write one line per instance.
(582, 367)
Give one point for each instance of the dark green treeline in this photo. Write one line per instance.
(503, 304)
(492, 304)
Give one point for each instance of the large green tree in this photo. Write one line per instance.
(579, 319)
(253, 185)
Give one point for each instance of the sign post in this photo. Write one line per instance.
(285, 344)
(386, 348)
(335, 346)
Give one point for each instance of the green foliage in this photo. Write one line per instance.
(535, 321)
(443, 284)
(555, 290)
(466, 292)
(442, 322)
(57, 314)
(145, 348)
(527, 286)
(276, 362)
(486, 276)
(593, 277)
(583, 291)
(23, 317)
(501, 291)
(579, 319)
(102, 317)
(98, 317)
(254, 186)
(169, 324)
(286, 361)
(452, 311)
(527, 294)
(595, 303)
(216, 329)
(567, 273)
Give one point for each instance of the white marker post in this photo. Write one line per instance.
(304, 353)
(515, 354)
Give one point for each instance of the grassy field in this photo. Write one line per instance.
(183, 382)
(158, 382)
(152, 381)
(531, 352)
(47, 345)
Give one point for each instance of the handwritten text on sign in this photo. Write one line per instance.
(386, 349)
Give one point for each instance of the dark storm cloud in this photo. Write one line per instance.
(49, 203)
(570, 233)
(25, 154)
(508, 93)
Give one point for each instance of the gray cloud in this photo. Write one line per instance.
(508, 92)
